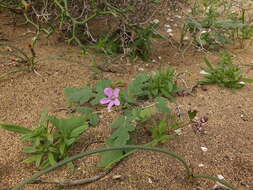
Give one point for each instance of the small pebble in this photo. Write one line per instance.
(156, 21)
(178, 131)
(220, 177)
(116, 177)
(204, 149)
(169, 30)
(149, 180)
(201, 165)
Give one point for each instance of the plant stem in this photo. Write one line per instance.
(216, 179)
(11, 72)
(83, 154)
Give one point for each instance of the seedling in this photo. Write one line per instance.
(225, 74)
(51, 140)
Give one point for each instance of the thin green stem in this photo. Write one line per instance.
(83, 154)
(12, 72)
(216, 179)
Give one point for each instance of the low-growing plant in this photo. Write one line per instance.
(52, 139)
(225, 74)
(20, 58)
(158, 84)
(157, 118)
(23, 60)
(73, 20)
(212, 24)
(135, 41)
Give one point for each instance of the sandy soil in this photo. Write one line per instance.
(229, 137)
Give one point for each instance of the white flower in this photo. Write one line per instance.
(186, 38)
(243, 83)
(204, 72)
(156, 21)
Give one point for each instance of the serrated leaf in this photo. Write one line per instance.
(99, 88)
(162, 105)
(148, 112)
(121, 135)
(78, 95)
(139, 85)
(101, 85)
(126, 97)
(84, 110)
(93, 119)
(89, 115)
(108, 157)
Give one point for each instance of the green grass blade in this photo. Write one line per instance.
(248, 80)
(15, 128)
(15, 48)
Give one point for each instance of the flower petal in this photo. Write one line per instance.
(108, 92)
(116, 92)
(105, 101)
(116, 102)
(110, 105)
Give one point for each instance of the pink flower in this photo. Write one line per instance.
(112, 97)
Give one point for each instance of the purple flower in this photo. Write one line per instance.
(112, 97)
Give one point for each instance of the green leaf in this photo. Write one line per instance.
(248, 80)
(62, 148)
(31, 159)
(126, 97)
(69, 142)
(78, 95)
(15, 128)
(118, 122)
(51, 159)
(89, 115)
(119, 137)
(30, 150)
(162, 105)
(94, 119)
(38, 160)
(43, 118)
(66, 126)
(148, 112)
(101, 85)
(78, 131)
(192, 114)
(138, 86)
